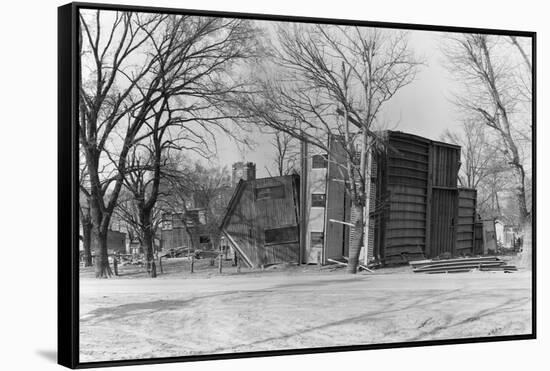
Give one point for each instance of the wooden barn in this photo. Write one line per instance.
(261, 222)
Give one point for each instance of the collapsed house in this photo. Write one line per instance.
(262, 220)
(415, 207)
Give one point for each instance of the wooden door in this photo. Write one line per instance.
(443, 221)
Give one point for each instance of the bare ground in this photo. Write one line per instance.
(294, 308)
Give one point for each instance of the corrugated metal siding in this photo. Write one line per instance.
(465, 233)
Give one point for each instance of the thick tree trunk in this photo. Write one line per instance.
(524, 214)
(87, 242)
(102, 267)
(356, 242)
(149, 253)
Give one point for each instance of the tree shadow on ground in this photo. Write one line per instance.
(125, 310)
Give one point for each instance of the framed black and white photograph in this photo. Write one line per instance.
(242, 185)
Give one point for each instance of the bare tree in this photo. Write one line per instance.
(85, 216)
(334, 80)
(206, 188)
(286, 153)
(491, 96)
(478, 155)
(132, 65)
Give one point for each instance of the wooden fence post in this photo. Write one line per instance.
(115, 264)
(220, 257)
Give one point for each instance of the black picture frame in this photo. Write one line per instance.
(68, 257)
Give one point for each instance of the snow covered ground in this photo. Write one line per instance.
(143, 318)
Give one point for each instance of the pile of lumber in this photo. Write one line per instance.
(461, 265)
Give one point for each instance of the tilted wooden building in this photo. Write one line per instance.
(423, 212)
(415, 208)
(261, 222)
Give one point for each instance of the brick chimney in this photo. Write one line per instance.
(244, 171)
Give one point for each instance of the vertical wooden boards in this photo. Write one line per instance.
(304, 170)
(335, 204)
(407, 184)
(249, 219)
(465, 233)
(444, 205)
(444, 216)
(418, 183)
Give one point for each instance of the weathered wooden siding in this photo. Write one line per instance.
(417, 197)
(177, 238)
(336, 201)
(465, 233)
(443, 217)
(478, 243)
(445, 164)
(250, 218)
(406, 184)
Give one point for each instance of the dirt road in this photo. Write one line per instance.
(143, 318)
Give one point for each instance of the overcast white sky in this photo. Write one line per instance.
(420, 108)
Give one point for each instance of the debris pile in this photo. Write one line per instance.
(461, 265)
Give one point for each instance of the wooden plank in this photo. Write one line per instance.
(407, 176)
(429, 190)
(337, 262)
(409, 159)
(334, 232)
(409, 168)
(461, 264)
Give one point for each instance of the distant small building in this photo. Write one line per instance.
(116, 242)
(489, 236)
(262, 221)
(186, 230)
(134, 247)
(499, 231)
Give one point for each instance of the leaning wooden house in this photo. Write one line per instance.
(416, 208)
(261, 222)
(422, 211)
